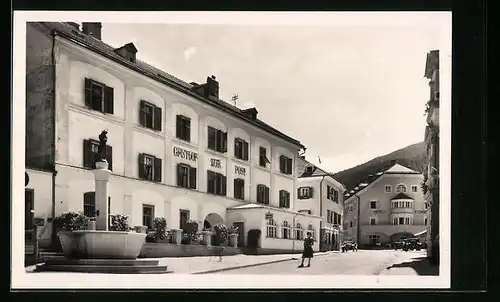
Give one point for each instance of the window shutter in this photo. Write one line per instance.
(210, 188)
(178, 126)
(289, 166)
(311, 192)
(212, 138)
(192, 177)
(298, 194)
(187, 127)
(157, 118)
(235, 147)
(179, 175)
(88, 93)
(282, 163)
(245, 150)
(142, 120)
(108, 100)
(141, 166)
(87, 158)
(157, 169)
(287, 200)
(266, 190)
(109, 155)
(224, 185)
(224, 142)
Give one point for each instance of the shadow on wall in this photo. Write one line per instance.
(420, 265)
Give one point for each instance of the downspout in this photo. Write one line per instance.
(321, 207)
(358, 230)
(53, 150)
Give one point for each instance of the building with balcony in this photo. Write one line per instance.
(175, 149)
(320, 194)
(386, 207)
(431, 172)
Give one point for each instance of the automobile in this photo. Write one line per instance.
(411, 244)
(397, 245)
(349, 246)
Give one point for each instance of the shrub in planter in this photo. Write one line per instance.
(119, 223)
(70, 221)
(160, 229)
(190, 231)
(221, 234)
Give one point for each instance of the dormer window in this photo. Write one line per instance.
(128, 52)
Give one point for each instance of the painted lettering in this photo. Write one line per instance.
(185, 154)
(216, 163)
(239, 170)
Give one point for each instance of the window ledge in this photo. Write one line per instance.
(97, 114)
(265, 169)
(289, 176)
(185, 143)
(216, 153)
(241, 161)
(146, 130)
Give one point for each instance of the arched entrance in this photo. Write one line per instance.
(209, 222)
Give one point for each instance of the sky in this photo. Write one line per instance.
(348, 92)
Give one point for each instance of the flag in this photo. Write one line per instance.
(319, 159)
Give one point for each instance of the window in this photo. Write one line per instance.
(239, 188)
(407, 220)
(240, 149)
(373, 205)
(150, 116)
(401, 188)
(394, 221)
(328, 216)
(425, 221)
(407, 204)
(183, 128)
(388, 189)
(284, 199)
(217, 140)
(305, 192)
(394, 205)
(148, 214)
(89, 204)
(287, 230)
(262, 194)
(216, 183)
(373, 221)
(414, 189)
(91, 154)
(426, 205)
(186, 176)
(350, 224)
(310, 229)
(331, 193)
(98, 96)
(299, 232)
(271, 228)
(183, 218)
(263, 160)
(374, 239)
(150, 167)
(286, 165)
(401, 220)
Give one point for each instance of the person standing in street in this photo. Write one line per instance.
(308, 250)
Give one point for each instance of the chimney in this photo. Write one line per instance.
(92, 28)
(75, 25)
(212, 87)
(251, 113)
(128, 52)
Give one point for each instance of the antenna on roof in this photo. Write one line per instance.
(234, 98)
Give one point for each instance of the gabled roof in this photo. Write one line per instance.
(401, 196)
(394, 169)
(316, 171)
(69, 32)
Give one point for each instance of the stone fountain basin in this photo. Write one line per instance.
(90, 244)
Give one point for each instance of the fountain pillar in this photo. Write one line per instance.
(101, 176)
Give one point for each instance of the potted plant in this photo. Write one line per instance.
(190, 231)
(160, 229)
(233, 236)
(119, 223)
(221, 234)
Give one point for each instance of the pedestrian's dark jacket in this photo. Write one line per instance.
(308, 242)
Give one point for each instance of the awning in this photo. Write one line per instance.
(421, 233)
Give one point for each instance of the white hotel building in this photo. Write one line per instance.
(175, 149)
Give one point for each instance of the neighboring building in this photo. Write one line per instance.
(386, 207)
(319, 194)
(431, 172)
(175, 149)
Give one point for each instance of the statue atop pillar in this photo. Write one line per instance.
(103, 139)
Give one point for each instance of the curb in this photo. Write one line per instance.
(251, 265)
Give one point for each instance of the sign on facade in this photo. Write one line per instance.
(216, 163)
(269, 216)
(239, 170)
(185, 154)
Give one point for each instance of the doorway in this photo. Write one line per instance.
(241, 233)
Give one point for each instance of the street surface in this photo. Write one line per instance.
(362, 262)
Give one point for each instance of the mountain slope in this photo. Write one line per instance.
(412, 156)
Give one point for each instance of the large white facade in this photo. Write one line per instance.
(76, 122)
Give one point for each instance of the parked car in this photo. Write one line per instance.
(349, 246)
(411, 244)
